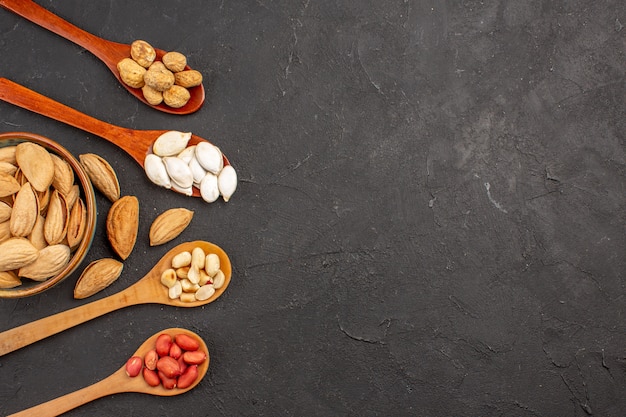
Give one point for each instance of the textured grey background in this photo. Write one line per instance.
(430, 219)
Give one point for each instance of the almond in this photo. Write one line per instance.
(97, 276)
(36, 164)
(51, 260)
(7, 154)
(16, 252)
(55, 226)
(25, 211)
(8, 184)
(63, 179)
(76, 224)
(122, 225)
(168, 225)
(5, 211)
(36, 236)
(8, 279)
(102, 175)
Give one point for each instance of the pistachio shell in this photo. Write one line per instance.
(227, 182)
(171, 143)
(210, 157)
(156, 172)
(179, 172)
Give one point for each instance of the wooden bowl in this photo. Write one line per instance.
(31, 287)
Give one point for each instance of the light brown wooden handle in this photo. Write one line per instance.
(60, 405)
(48, 20)
(21, 96)
(29, 333)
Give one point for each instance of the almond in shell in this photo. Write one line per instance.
(5, 231)
(77, 223)
(8, 184)
(51, 260)
(25, 211)
(7, 154)
(16, 252)
(123, 224)
(8, 279)
(102, 175)
(97, 276)
(168, 225)
(36, 236)
(63, 179)
(55, 226)
(5, 211)
(36, 164)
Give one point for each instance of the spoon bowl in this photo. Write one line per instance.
(148, 290)
(137, 143)
(110, 53)
(118, 382)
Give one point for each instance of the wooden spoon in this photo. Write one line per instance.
(117, 383)
(137, 143)
(145, 291)
(109, 52)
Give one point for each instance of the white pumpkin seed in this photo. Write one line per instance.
(210, 157)
(188, 191)
(179, 172)
(208, 188)
(187, 153)
(196, 169)
(171, 143)
(156, 172)
(227, 182)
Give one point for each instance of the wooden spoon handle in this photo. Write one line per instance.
(106, 50)
(26, 334)
(28, 99)
(111, 385)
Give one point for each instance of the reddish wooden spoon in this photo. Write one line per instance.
(138, 143)
(109, 52)
(118, 382)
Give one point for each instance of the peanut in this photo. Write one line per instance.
(188, 377)
(150, 360)
(195, 357)
(163, 344)
(151, 377)
(169, 366)
(175, 351)
(133, 366)
(186, 342)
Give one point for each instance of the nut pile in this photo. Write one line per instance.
(193, 276)
(175, 165)
(42, 214)
(166, 81)
(172, 363)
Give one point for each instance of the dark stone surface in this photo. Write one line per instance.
(429, 220)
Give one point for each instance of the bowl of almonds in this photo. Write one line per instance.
(47, 214)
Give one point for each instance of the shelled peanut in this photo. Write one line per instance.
(173, 362)
(166, 81)
(193, 276)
